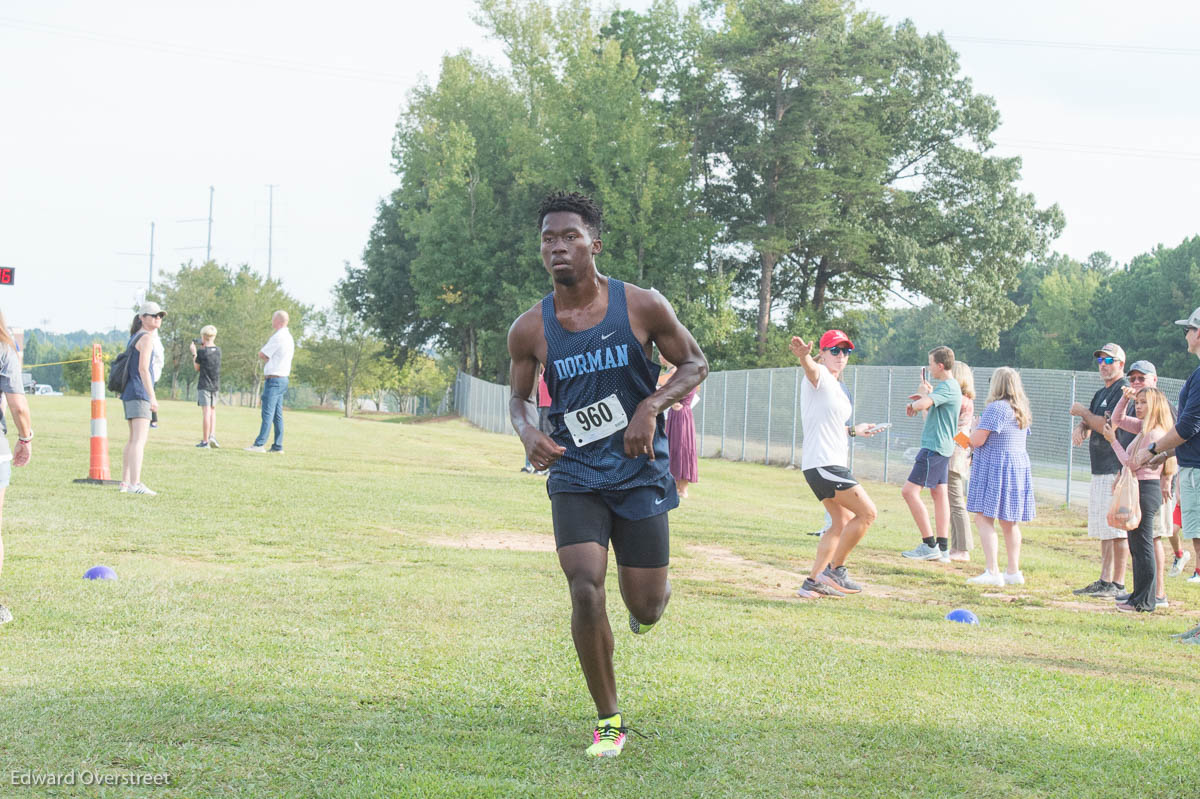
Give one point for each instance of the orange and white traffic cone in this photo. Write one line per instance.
(98, 467)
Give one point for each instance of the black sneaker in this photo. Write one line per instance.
(202, 445)
(1089, 590)
(1111, 590)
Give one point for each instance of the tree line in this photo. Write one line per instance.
(769, 165)
(1074, 308)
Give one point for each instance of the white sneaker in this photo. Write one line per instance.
(944, 557)
(1177, 566)
(140, 488)
(1014, 579)
(124, 488)
(1195, 578)
(256, 448)
(987, 578)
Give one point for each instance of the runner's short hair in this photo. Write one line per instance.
(943, 356)
(575, 203)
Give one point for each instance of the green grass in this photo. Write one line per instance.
(379, 613)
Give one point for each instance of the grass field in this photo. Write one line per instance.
(379, 613)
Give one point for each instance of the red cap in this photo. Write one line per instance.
(833, 338)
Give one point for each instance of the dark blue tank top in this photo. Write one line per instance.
(134, 388)
(587, 366)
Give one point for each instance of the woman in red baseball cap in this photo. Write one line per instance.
(825, 411)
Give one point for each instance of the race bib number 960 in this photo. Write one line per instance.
(598, 420)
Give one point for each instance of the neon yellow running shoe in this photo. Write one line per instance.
(636, 627)
(608, 739)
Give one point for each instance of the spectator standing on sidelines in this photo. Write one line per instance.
(942, 399)
(207, 361)
(1110, 361)
(825, 411)
(1155, 416)
(138, 396)
(960, 468)
(1143, 374)
(1001, 477)
(14, 391)
(276, 356)
(1184, 441)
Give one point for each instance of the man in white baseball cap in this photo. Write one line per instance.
(1184, 440)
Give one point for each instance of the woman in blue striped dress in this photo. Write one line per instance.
(1001, 479)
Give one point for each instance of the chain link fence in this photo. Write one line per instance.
(754, 415)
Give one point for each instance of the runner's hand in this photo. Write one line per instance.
(540, 449)
(800, 347)
(22, 453)
(639, 435)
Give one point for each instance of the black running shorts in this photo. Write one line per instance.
(825, 480)
(587, 517)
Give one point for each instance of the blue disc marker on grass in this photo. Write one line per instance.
(100, 573)
(963, 616)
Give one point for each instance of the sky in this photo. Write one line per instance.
(117, 115)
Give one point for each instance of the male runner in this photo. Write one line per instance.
(608, 454)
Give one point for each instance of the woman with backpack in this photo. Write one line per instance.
(138, 395)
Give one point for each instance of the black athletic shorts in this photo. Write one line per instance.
(587, 517)
(825, 480)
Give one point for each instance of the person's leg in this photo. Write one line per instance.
(828, 543)
(987, 542)
(912, 497)
(281, 390)
(857, 505)
(960, 520)
(681, 488)
(2, 490)
(139, 430)
(1106, 558)
(267, 414)
(127, 456)
(1012, 544)
(1120, 558)
(941, 514)
(584, 565)
(646, 592)
(1160, 572)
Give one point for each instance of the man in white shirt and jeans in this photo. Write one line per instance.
(276, 356)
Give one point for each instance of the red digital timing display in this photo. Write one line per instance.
(6, 275)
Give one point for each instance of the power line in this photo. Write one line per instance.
(1136, 49)
(1100, 149)
(171, 48)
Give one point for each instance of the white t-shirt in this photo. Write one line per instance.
(279, 349)
(158, 356)
(824, 411)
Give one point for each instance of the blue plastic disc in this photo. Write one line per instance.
(963, 616)
(100, 573)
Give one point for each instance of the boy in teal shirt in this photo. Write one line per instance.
(942, 399)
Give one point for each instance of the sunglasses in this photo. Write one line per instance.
(1109, 360)
(1137, 379)
(839, 350)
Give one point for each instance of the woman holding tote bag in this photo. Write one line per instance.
(1155, 413)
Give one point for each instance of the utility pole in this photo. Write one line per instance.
(208, 248)
(270, 221)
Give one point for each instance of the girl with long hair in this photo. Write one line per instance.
(1155, 414)
(138, 397)
(1001, 478)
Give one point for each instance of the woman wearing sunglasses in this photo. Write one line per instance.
(825, 410)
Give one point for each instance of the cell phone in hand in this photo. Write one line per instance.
(879, 428)
(924, 379)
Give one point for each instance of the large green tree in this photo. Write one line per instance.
(861, 155)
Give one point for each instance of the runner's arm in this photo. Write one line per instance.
(540, 449)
